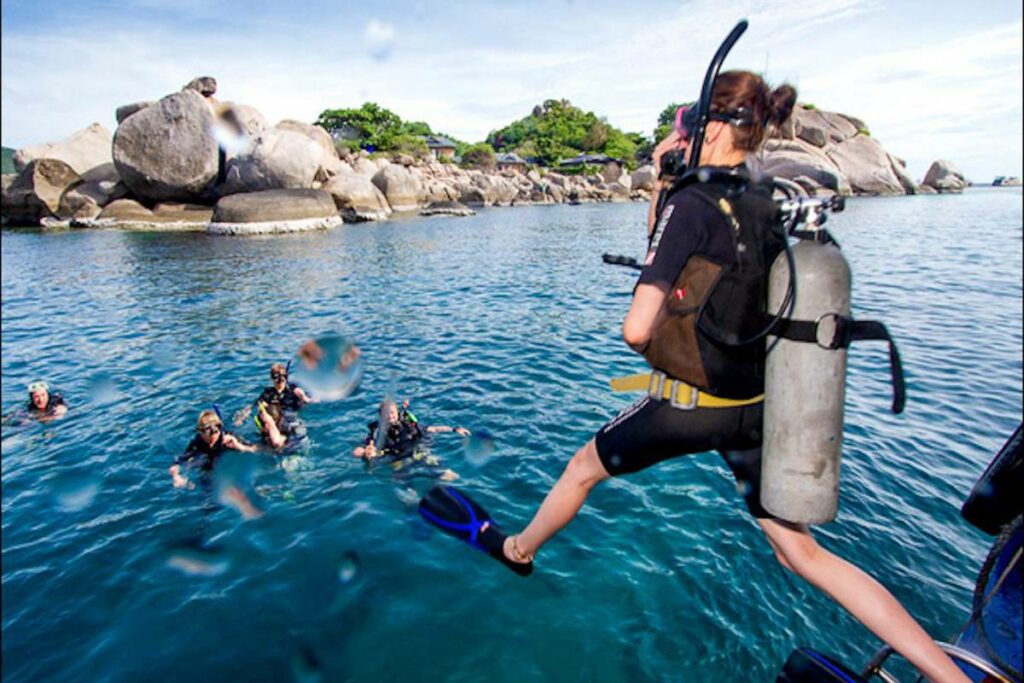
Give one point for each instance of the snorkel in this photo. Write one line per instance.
(695, 120)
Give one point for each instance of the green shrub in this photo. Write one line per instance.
(480, 155)
(809, 106)
(864, 131)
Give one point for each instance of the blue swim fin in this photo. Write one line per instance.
(458, 515)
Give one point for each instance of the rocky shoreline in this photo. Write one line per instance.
(191, 162)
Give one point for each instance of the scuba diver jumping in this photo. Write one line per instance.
(711, 248)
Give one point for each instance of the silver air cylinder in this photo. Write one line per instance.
(805, 386)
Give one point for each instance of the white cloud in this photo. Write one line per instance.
(923, 102)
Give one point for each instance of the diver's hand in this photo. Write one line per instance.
(462, 431)
(242, 415)
(672, 141)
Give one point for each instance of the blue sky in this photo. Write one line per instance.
(933, 80)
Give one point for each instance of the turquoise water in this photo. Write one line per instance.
(508, 323)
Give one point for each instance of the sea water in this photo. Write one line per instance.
(506, 323)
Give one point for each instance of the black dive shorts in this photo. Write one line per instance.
(651, 430)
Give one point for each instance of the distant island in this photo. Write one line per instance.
(192, 162)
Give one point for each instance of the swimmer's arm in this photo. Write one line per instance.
(59, 410)
(442, 429)
(230, 441)
(179, 481)
(643, 316)
(242, 415)
(302, 395)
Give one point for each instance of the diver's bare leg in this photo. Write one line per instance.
(862, 596)
(562, 503)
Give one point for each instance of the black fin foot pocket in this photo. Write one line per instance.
(458, 515)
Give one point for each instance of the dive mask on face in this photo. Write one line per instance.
(36, 387)
(687, 117)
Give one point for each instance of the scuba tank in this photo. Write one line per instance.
(805, 387)
(805, 368)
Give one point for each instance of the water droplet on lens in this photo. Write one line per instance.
(72, 493)
(103, 390)
(232, 481)
(479, 447)
(615, 460)
(743, 487)
(328, 368)
(348, 567)
(408, 496)
(193, 559)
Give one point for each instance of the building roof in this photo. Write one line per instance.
(509, 158)
(438, 142)
(588, 159)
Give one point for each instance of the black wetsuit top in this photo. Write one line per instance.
(401, 439)
(51, 405)
(201, 455)
(287, 400)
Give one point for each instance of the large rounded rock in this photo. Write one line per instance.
(128, 214)
(36, 192)
(274, 211)
(357, 198)
(400, 186)
(314, 133)
(83, 150)
(126, 110)
(87, 199)
(643, 178)
(204, 85)
(866, 166)
(793, 160)
(280, 159)
(244, 119)
(899, 169)
(944, 176)
(168, 151)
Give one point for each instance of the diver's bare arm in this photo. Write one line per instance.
(643, 316)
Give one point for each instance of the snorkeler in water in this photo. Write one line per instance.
(208, 445)
(403, 444)
(44, 405)
(276, 407)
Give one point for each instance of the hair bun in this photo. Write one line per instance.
(781, 103)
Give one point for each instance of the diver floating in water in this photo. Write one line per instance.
(43, 404)
(403, 444)
(277, 409)
(715, 225)
(206, 447)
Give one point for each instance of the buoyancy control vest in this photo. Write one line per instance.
(709, 333)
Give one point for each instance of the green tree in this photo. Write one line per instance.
(480, 155)
(417, 128)
(370, 125)
(556, 130)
